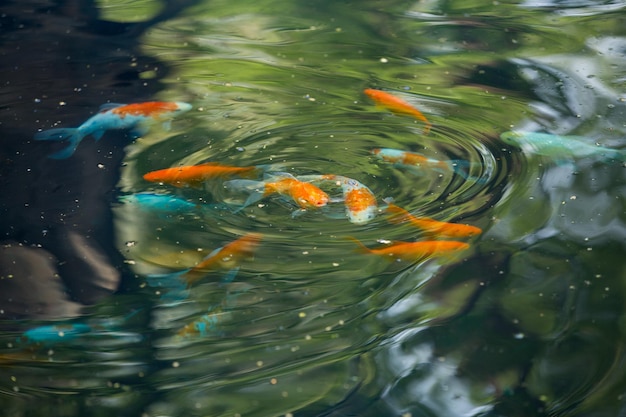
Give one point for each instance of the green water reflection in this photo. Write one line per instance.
(528, 322)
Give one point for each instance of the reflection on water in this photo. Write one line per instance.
(525, 322)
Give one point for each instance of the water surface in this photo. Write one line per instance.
(526, 322)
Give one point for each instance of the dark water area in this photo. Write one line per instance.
(112, 305)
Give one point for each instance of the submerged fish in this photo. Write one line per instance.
(56, 333)
(418, 162)
(194, 174)
(397, 105)
(159, 202)
(114, 116)
(430, 226)
(225, 257)
(360, 201)
(63, 332)
(205, 325)
(560, 148)
(305, 194)
(414, 251)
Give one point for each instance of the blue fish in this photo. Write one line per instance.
(113, 116)
(560, 148)
(56, 333)
(159, 202)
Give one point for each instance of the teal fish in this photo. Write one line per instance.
(159, 202)
(114, 116)
(560, 148)
(56, 333)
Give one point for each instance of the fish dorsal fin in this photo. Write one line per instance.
(109, 106)
(274, 176)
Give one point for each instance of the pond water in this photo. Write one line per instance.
(525, 321)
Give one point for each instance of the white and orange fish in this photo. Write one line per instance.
(303, 193)
(397, 105)
(360, 201)
(417, 163)
(114, 116)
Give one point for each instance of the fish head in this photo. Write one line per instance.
(512, 138)
(311, 196)
(182, 107)
(389, 155)
(248, 243)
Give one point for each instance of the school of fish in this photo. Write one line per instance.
(305, 193)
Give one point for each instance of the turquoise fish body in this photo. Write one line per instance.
(114, 116)
(558, 147)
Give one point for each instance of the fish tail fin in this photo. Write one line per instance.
(398, 214)
(360, 246)
(255, 171)
(72, 135)
(174, 284)
(262, 169)
(462, 167)
(254, 196)
(255, 188)
(243, 185)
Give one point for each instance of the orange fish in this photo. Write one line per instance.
(226, 257)
(410, 159)
(414, 251)
(397, 105)
(305, 194)
(360, 202)
(430, 226)
(194, 174)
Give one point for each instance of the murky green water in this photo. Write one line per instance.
(527, 322)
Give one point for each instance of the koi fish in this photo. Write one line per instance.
(397, 105)
(194, 174)
(430, 226)
(415, 161)
(360, 202)
(112, 116)
(558, 147)
(226, 257)
(414, 251)
(305, 194)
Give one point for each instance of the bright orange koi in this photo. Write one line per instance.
(226, 257)
(397, 105)
(305, 194)
(194, 174)
(415, 251)
(430, 226)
